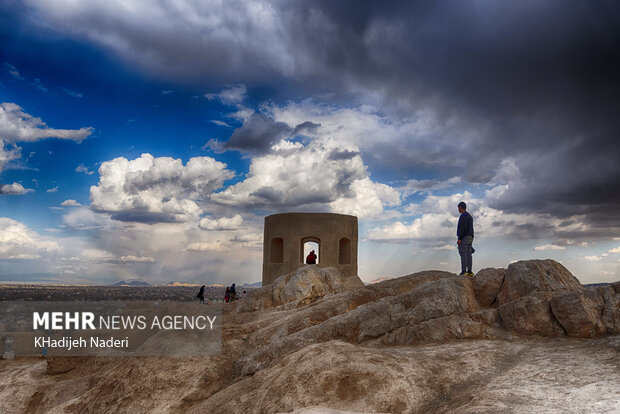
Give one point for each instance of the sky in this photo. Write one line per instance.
(149, 139)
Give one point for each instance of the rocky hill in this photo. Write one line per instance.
(529, 338)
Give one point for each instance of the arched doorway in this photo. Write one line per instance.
(308, 244)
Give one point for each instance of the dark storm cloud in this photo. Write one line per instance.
(537, 82)
(305, 128)
(145, 217)
(259, 132)
(342, 155)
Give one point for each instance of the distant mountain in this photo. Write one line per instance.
(132, 283)
(138, 283)
(252, 285)
(597, 284)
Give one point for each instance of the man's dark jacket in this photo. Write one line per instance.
(465, 226)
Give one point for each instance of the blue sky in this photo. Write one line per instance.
(148, 140)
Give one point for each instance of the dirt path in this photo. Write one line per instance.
(461, 394)
(19, 382)
(521, 376)
(545, 377)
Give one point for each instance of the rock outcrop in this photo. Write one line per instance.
(543, 297)
(530, 314)
(579, 313)
(530, 276)
(611, 309)
(301, 287)
(537, 297)
(314, 338)
(487, 284)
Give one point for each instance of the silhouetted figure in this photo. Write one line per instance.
(233, 292)
(465, 234)
(227, 294)
(311, 259)
(201, 294)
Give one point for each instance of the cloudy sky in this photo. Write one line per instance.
(148, 140)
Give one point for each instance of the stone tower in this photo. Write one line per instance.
(285, 235)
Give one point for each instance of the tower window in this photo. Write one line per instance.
(344, 252)
(277, 250)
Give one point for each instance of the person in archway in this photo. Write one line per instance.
(465, 234)
(311, 259)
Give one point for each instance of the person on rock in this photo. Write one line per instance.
(227, 294)
(465, 235)
(311, 258)
(233, 292)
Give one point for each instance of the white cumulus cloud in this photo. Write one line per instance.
(549, 247)
(615, 250)
(14, 189)
(17, 241)
(321, 175)
(136, 259)
(152, 190)
(215, 246)
(18, 126)
(70, 203)
(224, 223)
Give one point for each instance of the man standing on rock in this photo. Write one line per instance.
(465, 234)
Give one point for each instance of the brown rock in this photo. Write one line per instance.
(432, 312)
(301, 287)
(311, 282)
(441, 298)
(487, 283)
(530, 315)
(344, 376)
(578, 313)
(487, 316)
(611, 309)
(529, 276)
(444, 329)
(61, 365)
(256, 299)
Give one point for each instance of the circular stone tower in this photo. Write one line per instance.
(286, 234)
